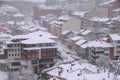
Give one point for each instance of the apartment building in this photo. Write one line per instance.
(40, 51)
(115, 40)
(97, 48)
(37, 52)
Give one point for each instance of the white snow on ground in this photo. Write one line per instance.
(63, 50)
(3, 75)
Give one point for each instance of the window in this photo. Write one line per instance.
(15, 63)
(118, 51)
(118, 46)
(9, 54)
(118, 41)
(34, 61)
(44, 54)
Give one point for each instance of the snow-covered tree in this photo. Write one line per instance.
(103, 61)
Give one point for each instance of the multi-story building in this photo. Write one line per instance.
(115, 40)
(36, 52)
(45, 10)
(97, 48)
(40, 51)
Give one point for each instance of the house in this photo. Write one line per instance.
(65, 35)
(112, 6)
(99, 22)
(38, 51)
(88, 34)
(72, 42)
(46, 20)
(73, 24)
(56, 30)
(43, 10)
(3, 65)
(3, 39)
(18, 17)
(115, 41)
(81, 51)
(41, 52)
(6, 12)
(97, 48)
(56, 26)
(76, 71)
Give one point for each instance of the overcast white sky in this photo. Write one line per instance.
(26, 0)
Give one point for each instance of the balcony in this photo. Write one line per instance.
(97, 51)
(42, 61)
(45, 61)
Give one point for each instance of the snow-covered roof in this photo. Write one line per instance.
(21, 23)
(37, 33)
(10, 22)
(4, 36)
(36, 40)
(107, 3)
(84, 31)
(64, 17)
(56, 22)
(18, 15)
(97, 43)
(100, 19)
(7, 8)
(38, 48)
(49, 7)
(115, 37)
(116, 18)
(104, 30)
(81, 41)
(72, 69)
(78, 13)
(76, 38)
(66, 31)
(117, 10)
(34, 29)
(99, 76)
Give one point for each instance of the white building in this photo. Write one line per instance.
(115, 40)
(97, 48)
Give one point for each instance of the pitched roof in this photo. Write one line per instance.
(97, 43)
(115, 37)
